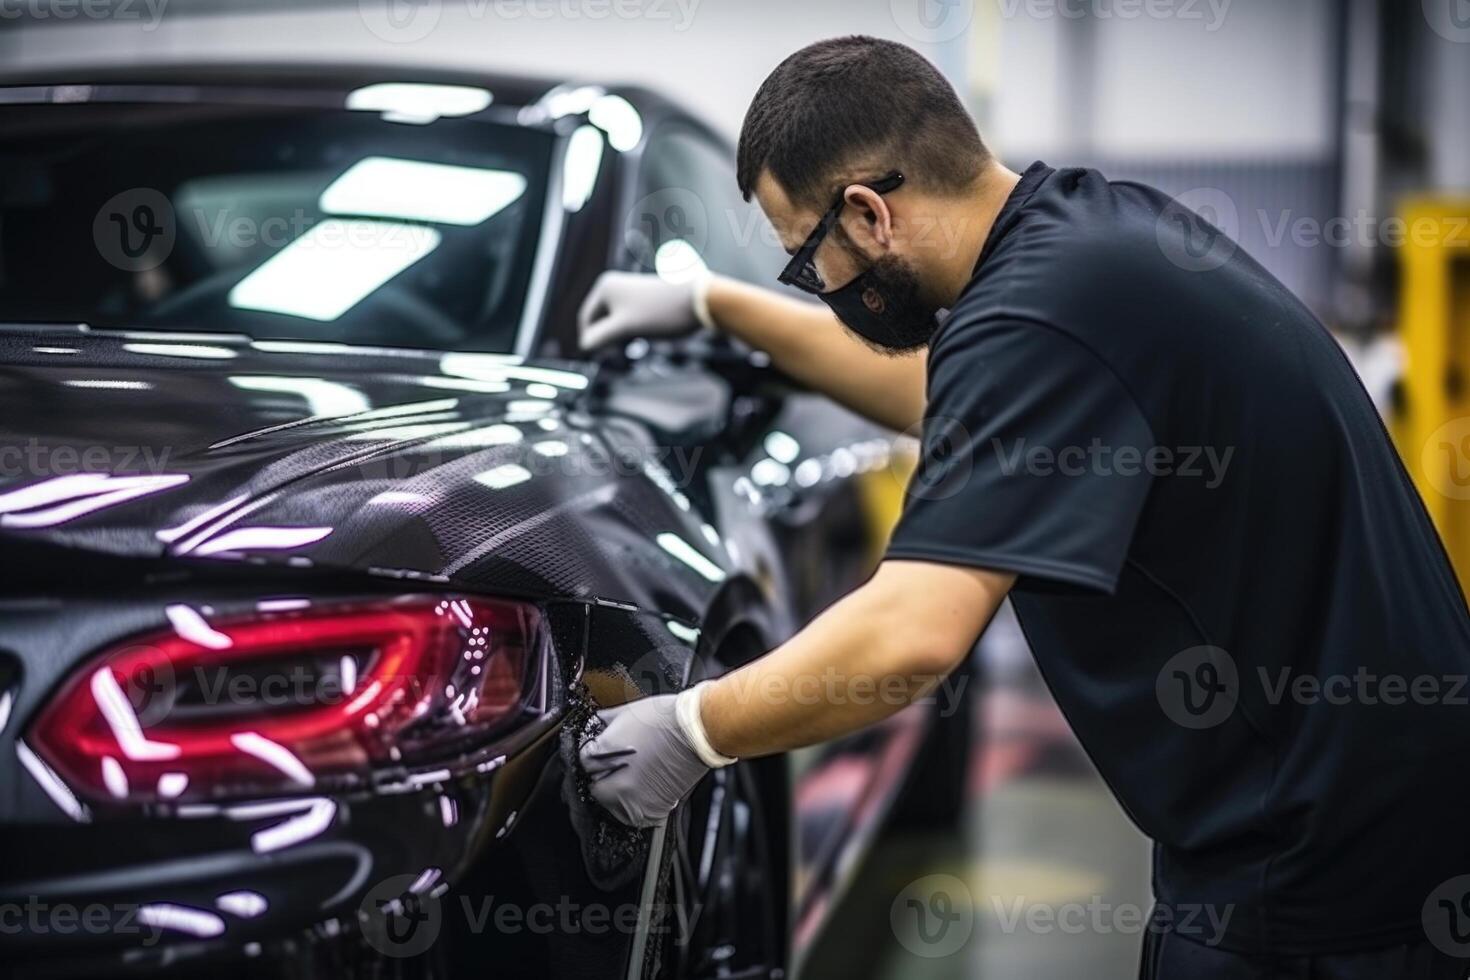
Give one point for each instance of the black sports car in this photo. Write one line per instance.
(322, 541)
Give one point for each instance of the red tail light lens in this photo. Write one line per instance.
(282, 702)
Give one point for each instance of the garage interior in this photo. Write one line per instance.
(1316, 130)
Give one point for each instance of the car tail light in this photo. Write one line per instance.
(280, 702)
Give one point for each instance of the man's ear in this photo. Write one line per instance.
(870, 207)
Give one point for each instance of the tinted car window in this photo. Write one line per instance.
(688, 194)
(280, 222)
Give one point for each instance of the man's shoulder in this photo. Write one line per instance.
(977, 341)
(1088, 257)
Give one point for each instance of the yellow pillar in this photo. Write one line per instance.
(1434, 325)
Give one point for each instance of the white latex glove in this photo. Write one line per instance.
(625, 305)
(648, 758)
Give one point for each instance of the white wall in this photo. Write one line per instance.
(1231, 78)
(1194, 78)
(1447, 115)
(711, 54)
(1226, 79)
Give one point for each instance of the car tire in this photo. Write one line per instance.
(723, 894)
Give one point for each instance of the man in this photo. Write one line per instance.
(1161, 456)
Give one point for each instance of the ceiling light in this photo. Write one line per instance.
(384, 187)
(616, 117)
(207, 352)
(569, 100)
(678, 261)
(580, 166)
(412, 102)
(332, 268)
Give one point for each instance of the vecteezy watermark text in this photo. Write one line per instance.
(403, 916)
(409, 21)
(35, 917)
(1209, 13)
(1100, 459)
(34, 458)
(149, 11)
(1202, 923)
(834, 686)
(938, 21)
(1200, 687)
(934, 916)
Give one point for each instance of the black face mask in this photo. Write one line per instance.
(882, 306)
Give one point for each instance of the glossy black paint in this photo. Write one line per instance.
(635, 503)
(379, 449)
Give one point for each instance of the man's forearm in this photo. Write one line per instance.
(869, 655)
(806, 342)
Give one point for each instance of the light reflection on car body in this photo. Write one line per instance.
(666, 516)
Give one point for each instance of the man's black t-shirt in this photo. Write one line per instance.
(1225, 574)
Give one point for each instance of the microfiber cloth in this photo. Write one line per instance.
(613, 852)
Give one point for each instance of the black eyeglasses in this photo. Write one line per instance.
(801, 271)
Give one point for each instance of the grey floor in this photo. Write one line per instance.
(1046, 880)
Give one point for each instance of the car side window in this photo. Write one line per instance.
(688, 212)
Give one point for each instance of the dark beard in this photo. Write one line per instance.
(912, 326)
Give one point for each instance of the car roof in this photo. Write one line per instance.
(510, 90)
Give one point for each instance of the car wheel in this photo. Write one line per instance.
(724, 888)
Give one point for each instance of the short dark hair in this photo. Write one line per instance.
(846, 102)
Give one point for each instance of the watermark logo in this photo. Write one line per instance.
(667, 231)
(1445, 459)
(398, 921)
(934, 916)
(647, 677)
(400, 21)
(1446, 917)
(1197, 230)
(1198, 688)
(1450, 19)
(151, 688)
(135, 229)
(932, 21)
(948, 458)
